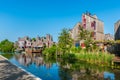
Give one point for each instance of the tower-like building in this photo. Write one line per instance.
(94, 25)
(90, 23)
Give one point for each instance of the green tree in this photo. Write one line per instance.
(65, 41)
(85, 36)
(6, 46)
(33, 39)
(51, 51)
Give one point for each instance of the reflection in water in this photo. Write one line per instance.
(108, 75)
(27, 60)
(82, 73)
(23, 59)
(50, 68)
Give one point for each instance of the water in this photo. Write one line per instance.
(56, 69)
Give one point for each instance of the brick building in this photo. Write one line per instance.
(94, 25)
(90, 23)
(27, 42)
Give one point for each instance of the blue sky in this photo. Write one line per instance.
(20, 18)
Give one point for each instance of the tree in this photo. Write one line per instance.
(85, 36)
(51, 51)
(33, 39)
(65, 41)
(6, 46)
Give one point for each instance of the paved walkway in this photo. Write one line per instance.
(8, 71)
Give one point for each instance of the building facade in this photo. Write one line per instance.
(90, 23)
(27, 42)
(94, 25)
(75, 33)
(117, 30)
(108, 37)
(117, 36)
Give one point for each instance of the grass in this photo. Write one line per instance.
(100, 58)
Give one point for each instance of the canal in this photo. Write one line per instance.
(50, 68)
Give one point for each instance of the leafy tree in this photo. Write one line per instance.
(33, 39)
(50, 51)
(75, 49)
(6, 46)
(65, 41)
(85, 36)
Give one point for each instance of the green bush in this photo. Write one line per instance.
(6, 46)
(75, 49)
(50, 51)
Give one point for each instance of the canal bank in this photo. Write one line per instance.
(50, 68)
(8, 71)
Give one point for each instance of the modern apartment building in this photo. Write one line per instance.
(93, 24)
(117, 30)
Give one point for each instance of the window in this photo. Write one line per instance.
(84, 25)
(94, 24)
(84, 20)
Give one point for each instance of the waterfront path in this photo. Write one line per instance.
(8, 71)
